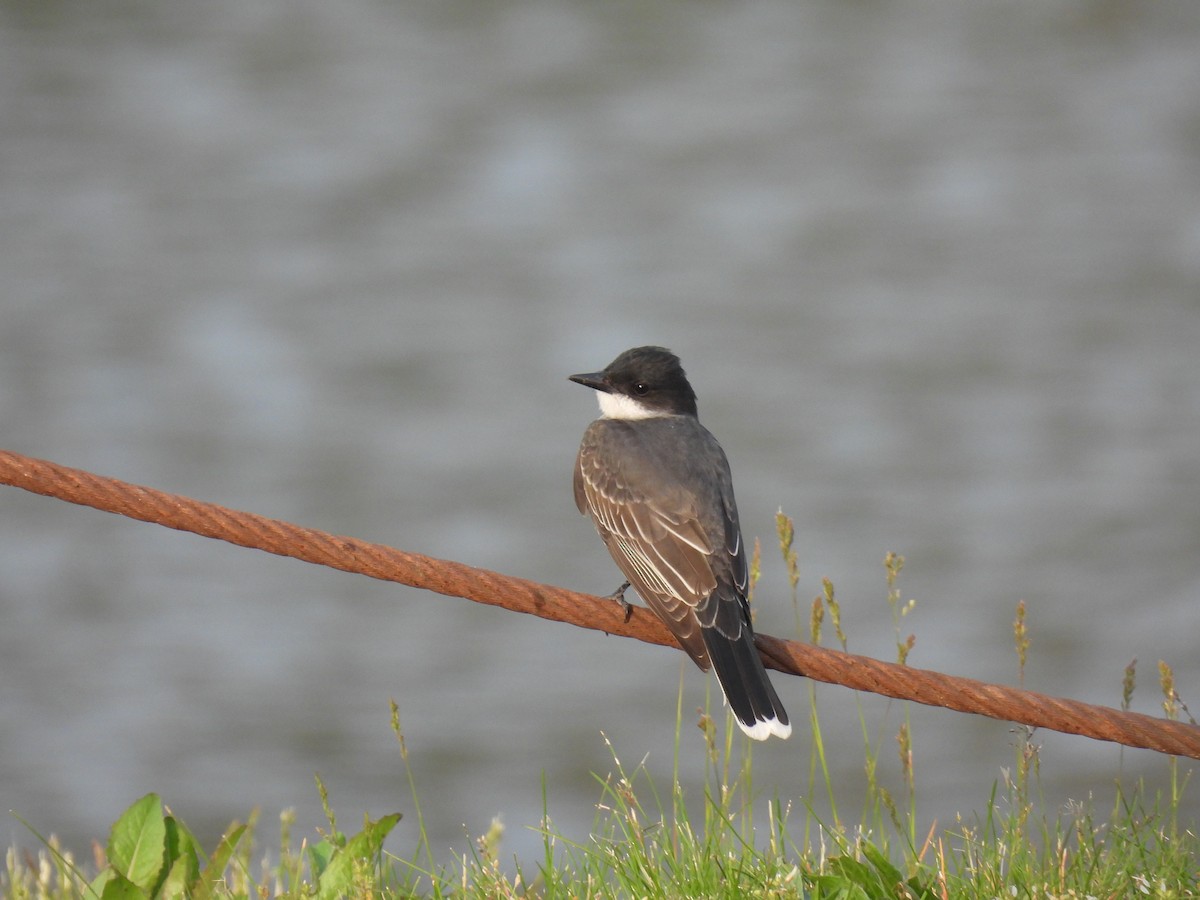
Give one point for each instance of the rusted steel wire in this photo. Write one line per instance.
(560, 605)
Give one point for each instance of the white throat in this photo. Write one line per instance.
(621, 406)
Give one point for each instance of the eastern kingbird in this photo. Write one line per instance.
(657, 485)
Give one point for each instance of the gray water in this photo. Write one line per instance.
(934, 270)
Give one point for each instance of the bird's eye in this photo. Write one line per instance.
(641, 389)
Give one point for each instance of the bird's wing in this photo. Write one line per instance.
(655, 533)
(671, 524)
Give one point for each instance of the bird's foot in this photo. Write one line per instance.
(619, 596)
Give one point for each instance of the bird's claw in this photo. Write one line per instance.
(619, 596)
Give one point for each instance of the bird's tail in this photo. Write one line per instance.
(747, 688)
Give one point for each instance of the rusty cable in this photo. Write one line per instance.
(560, 605)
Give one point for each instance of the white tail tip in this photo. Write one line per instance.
(764, 728)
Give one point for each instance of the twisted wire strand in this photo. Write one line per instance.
(561, 605)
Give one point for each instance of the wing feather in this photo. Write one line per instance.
(655, 532)
(671, 525)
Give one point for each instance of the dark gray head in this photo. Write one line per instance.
(642, 383)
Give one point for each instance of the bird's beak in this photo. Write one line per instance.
(597, 381)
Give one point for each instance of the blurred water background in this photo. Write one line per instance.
(934, 269)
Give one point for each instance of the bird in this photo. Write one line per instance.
(658, 488)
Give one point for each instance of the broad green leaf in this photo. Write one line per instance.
(214, 872)
(338, 878)
(319, 855)
(889, 873)
(179, 880)
(836, 887)
(136, 843)
(121, 888)
(96, 887)
(182, 849)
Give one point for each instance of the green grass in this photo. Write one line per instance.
(650, 840)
